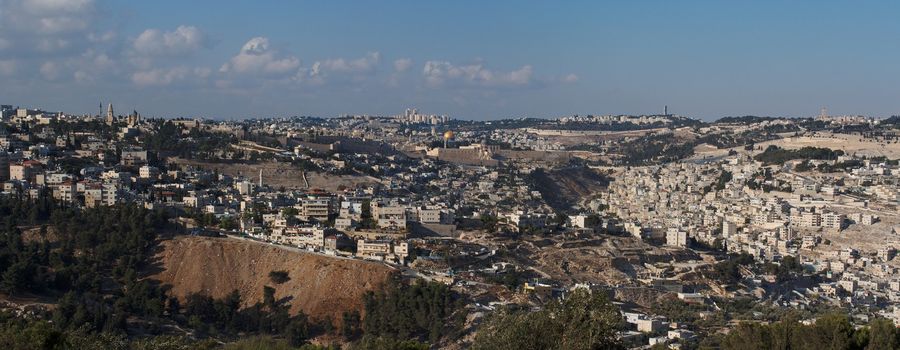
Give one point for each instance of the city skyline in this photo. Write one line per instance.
(471, 61)
(487, 175)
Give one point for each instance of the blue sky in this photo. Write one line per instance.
(468, 59)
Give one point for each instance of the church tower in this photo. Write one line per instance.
(110, 117)
(134, 118)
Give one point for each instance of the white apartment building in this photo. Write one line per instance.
(389, 215)
(676, 238)
(148, 172)
(832, 221)
(316, 208)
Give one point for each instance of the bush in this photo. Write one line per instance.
(279, 276)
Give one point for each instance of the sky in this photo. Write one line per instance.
(467, 59)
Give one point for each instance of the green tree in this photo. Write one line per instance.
(350, 324)
(297, 331)
(228, 223)
(289, 212)
(748, 336)
(883, 335)
(832, 331)
(15, 278)
(583, 320)
(269, 297)
(366, 215)
(384, 343)
(412, 311)
(489, 222)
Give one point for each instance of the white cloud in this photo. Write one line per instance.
(8, 67)
(257, 58)
(202, 72)
(102, 61)
(69, 40)
(49, 16)
(57, 6)
(440, 73)
(40, 27)
(50, 70)
(92, 66)
(340, 70)
(51, 25)
(169, 76)
(365, 64)
(402, 64)
(107, 36)
(82, 76)
(50, 45)
(183, 40)
(522, 76)
(159, 77)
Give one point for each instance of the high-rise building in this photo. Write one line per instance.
(729, 228)
(412, 116)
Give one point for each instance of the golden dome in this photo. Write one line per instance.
(448, 135)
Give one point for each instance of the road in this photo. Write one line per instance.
(404, 270)
(294, 249)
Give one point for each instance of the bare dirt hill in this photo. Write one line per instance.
(320, 286)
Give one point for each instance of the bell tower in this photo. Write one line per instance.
(110, 116)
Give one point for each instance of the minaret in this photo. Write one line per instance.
(260, 178)
(110, 117)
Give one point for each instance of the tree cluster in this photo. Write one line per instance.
(583, 320)
(419, 311)
(777, 155)
(832, 331)
(729, 271)
(226, 318)
(91, 262)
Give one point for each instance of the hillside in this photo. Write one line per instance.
(320, 286)
(277, 174)
(562, 188)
